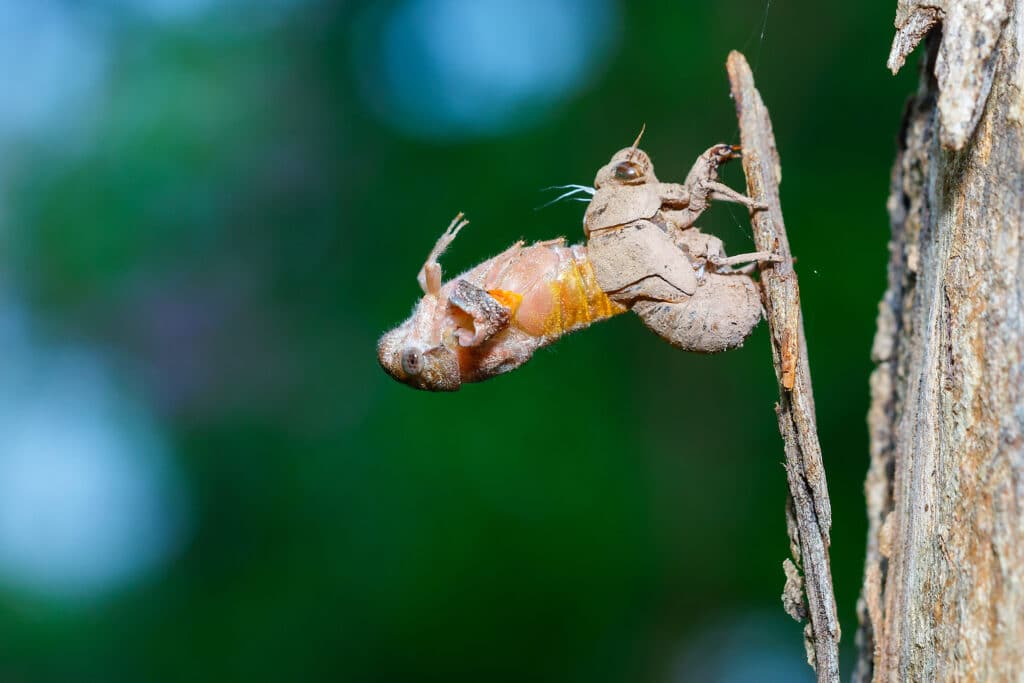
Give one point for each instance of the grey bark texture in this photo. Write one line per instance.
(943, 593)
(808, 512)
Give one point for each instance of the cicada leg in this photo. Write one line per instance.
(430, 274)
(753, 259)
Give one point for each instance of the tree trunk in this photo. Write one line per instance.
(943, 593)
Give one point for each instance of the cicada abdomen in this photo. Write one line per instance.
(492, 318)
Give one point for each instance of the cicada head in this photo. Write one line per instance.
(413, 354)
(629, 166)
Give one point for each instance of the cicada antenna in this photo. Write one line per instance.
(636, 143)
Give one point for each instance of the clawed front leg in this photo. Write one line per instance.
(430, 274)
(702, 186)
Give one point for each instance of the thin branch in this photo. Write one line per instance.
(809, 513)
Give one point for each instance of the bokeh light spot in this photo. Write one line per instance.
(55, 64)
(466, 68)
(753, 646)
(88, 496)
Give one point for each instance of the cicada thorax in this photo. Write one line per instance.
(662, 274)
(631, 244)
(642, 260)
(614, 206)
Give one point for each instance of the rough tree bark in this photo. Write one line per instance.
(943, 593)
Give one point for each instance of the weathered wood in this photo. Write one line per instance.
(809, 513)
(943, 593)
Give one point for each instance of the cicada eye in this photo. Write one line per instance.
(627, 170)
(412, 362)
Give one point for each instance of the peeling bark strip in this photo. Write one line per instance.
(966, 59)
(809, 513)
(943, 594)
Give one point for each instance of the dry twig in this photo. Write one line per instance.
(809, 514)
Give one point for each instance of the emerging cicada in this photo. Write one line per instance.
(642, 253)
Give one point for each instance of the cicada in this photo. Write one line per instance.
(642, 253)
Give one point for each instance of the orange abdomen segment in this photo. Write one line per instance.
(576, 298)
(550, 289)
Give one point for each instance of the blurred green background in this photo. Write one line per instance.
(210, 210)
